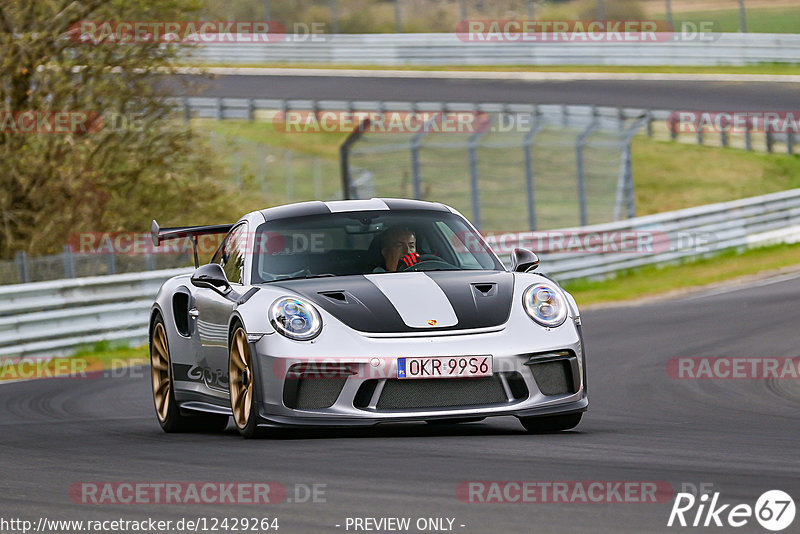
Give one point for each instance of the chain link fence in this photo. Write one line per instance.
(277, 175)
(538, 168)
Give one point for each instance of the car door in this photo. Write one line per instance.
(213, 310)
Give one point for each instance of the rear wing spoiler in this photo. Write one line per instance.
(165, 234)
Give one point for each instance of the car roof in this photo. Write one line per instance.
(316, 207)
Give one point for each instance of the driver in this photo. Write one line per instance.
(398, 248)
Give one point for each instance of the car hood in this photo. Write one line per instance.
(412, 301)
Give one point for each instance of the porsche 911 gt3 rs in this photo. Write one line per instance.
(360, 312)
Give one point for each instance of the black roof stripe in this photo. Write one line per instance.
(299, 209)
(409, 204)
(316, 207)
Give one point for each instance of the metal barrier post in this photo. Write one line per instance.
(334, 16)
(625, 192)
(748, 135)
(472, 149)
(317, 179)
(527, 144)
(22, 262)
(111, 263)
(768, 136)
(344, 157)
(251, 109)
(289, 176)
(69, 262)
(579, 144)
(398, 17)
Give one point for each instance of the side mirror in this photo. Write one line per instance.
(211, 276)
(523, 260)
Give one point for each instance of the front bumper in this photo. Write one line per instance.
(519, 387)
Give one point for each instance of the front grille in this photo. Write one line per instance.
(312, 393)
(441, 393)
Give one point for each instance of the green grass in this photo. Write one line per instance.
(759, 20)
(670, 176)
(101, 356)
(652, 281)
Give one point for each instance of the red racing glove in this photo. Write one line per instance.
(408, 260)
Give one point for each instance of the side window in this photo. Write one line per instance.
(230, 254)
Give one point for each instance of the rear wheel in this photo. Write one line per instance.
(167, 411)
(242, 385)
(551, 423)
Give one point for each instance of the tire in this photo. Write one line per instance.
(168, 413)
(551, 423)
(241, 384)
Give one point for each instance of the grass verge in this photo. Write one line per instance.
(100, 358)
(652, 281)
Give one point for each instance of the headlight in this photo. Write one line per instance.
(295, 318)
(545, 304)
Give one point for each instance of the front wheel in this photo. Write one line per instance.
(551, 423)
(242, 385)
(167, 411)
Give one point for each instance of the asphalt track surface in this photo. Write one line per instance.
(739, 435)
(669, 95)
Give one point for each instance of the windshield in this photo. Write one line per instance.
(339, 244)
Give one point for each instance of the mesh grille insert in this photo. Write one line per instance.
(553, 378)
(312, 393)
(441, 393)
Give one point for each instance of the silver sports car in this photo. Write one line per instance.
(359, 312)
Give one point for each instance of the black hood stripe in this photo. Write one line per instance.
(367, 309)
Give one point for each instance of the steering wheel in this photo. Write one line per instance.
(428, 260)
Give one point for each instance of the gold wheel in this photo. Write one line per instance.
(241, 378)
(159, 370)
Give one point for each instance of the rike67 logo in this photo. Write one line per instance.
(774, 510)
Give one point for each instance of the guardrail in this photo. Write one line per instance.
(670, 237)
(48, 318)
(449, 49)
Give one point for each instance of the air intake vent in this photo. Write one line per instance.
(338, 296)
(486, 290)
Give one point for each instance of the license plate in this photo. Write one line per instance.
(444, 367)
